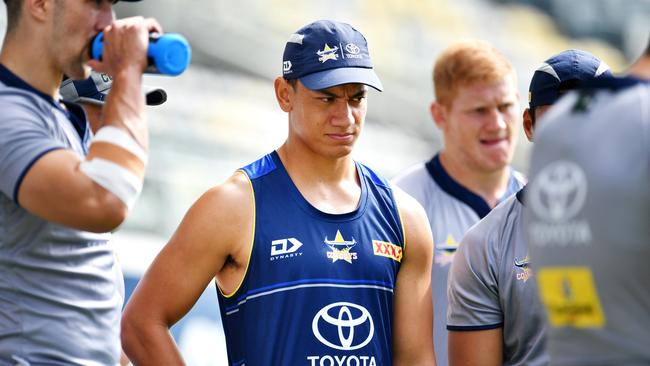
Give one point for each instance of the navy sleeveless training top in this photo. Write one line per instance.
(318, 288)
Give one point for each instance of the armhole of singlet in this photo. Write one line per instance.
(250, 253)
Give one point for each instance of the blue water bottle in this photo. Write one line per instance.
(168, 54)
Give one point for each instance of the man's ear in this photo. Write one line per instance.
(284, 93)
(38, 9)
(528, 124)
(439, 115)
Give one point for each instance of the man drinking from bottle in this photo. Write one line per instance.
(62, 191)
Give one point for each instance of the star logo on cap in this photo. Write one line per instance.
(327, 53)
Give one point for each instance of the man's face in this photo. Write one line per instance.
(481, 124)
(74, 25)
(327, 121)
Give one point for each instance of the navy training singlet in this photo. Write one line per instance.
(318, 289)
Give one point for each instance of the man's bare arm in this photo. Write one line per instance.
(217, 227)
(476, 348)
(413, 309)
(56, 188)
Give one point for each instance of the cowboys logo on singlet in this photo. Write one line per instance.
(341, 248)
(445, 252)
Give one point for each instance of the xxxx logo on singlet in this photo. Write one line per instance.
(341, 249)
(386, 249)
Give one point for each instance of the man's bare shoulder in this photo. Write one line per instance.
(227, 199)
(415, 222)
(221, 213)
(409, 207)
(237, 186)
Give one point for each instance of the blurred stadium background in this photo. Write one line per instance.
(222, 114)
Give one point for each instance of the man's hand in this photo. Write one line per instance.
(125, 45)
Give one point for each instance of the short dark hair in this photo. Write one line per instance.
(292, 82)
(647, 50)
(563, 88)
(13, 13)
(531, 112)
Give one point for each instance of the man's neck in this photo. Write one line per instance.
(28, 61)
(329, 184)
(490, 186)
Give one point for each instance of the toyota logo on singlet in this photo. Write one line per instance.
(347, 319)
(559, 191)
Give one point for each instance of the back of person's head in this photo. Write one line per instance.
(559, 74)
(563, 72)
(465, 63)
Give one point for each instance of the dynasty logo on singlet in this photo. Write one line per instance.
(285, 248)
(341, 249)
(343, 326)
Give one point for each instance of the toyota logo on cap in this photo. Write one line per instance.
(352, 48)
(348, 320)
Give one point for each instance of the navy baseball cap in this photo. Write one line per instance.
(567, 70)
(95, 89)
(327, 53)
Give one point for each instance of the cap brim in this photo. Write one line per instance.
(343, 75)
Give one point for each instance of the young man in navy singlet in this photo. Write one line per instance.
(318, 260)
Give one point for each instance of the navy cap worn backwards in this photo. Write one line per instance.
(327, 53)
(566, 70)
(95, 89)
